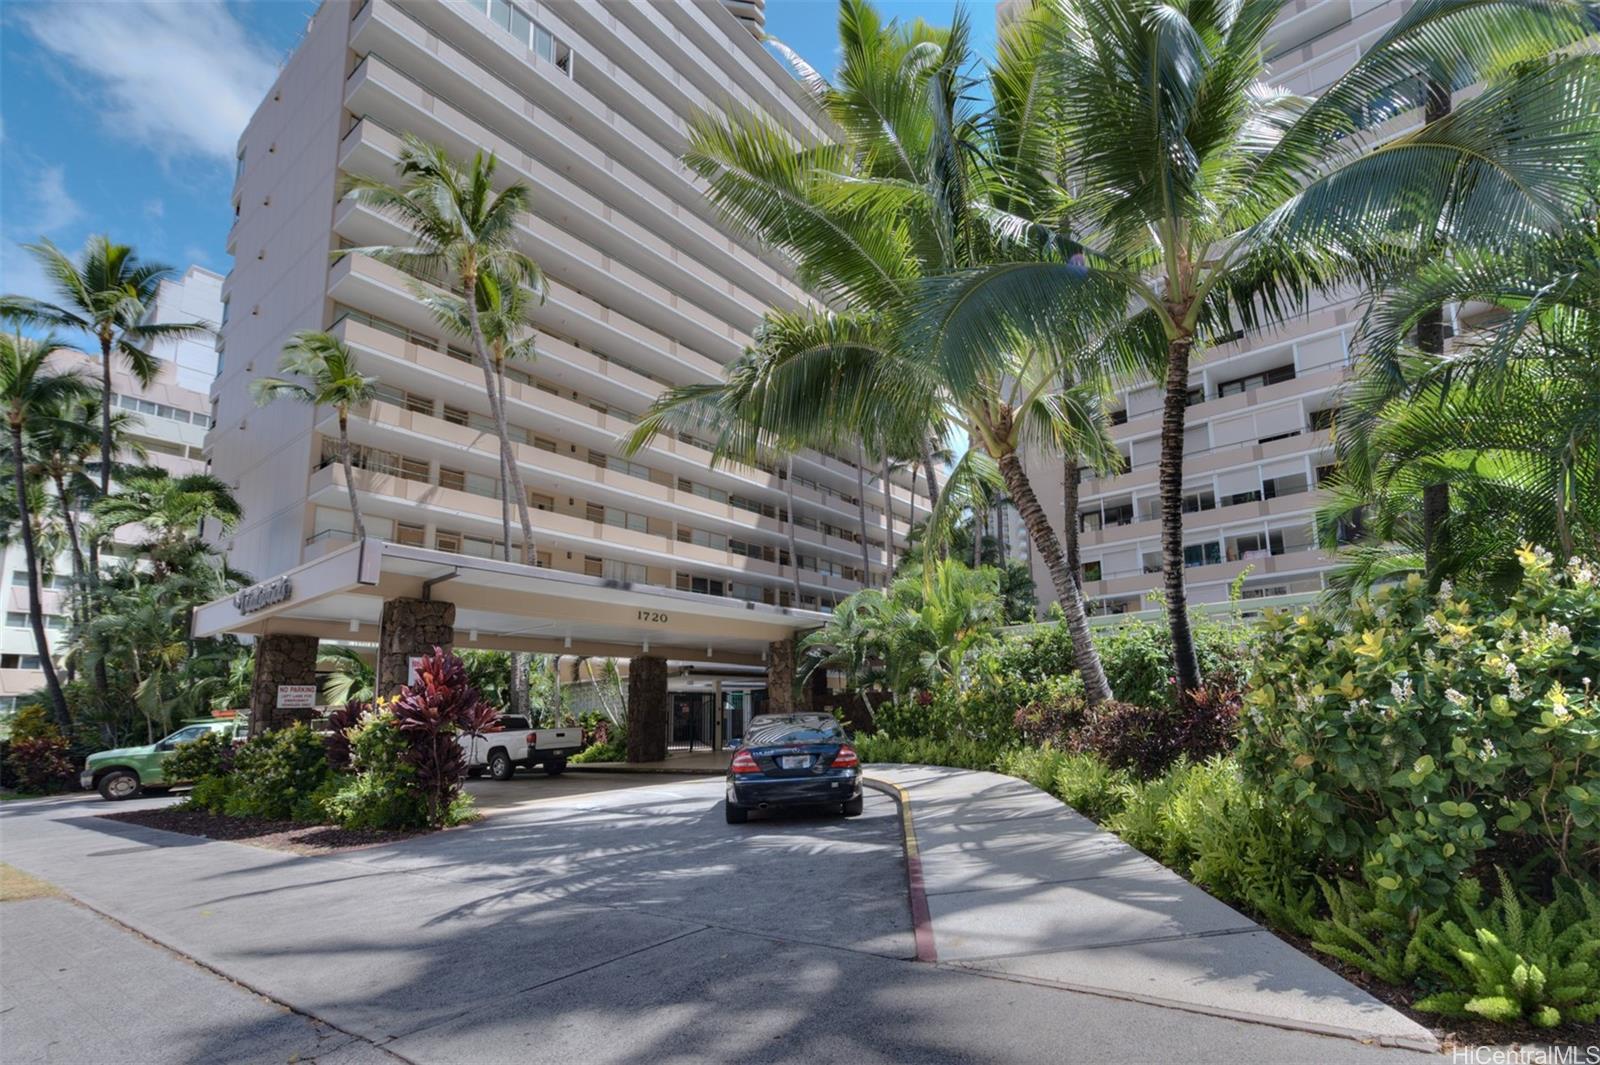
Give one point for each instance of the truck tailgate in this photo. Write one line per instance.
(555, 739)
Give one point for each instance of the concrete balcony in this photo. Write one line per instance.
(1290, 562)
(388, 32)
(377, 90)
(417, 367)
(610, 108)
(384, 495)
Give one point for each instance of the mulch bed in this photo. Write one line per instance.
(292, 836)
(1452, 1033)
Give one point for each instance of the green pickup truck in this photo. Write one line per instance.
(124, 772)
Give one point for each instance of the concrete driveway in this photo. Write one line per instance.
(620, 922)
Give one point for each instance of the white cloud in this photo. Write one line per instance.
(53, 206)
(181, 78)
(154, 209)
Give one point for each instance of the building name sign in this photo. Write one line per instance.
(260, 596)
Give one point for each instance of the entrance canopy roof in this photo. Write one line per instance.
(503, 606)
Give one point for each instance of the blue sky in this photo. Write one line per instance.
(121, 116)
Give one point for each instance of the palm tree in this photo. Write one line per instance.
(462, 231)
(107, 294)
(852, 641)
(505, 308)
(61, 450)
(1507, 422)
(172, 511)
(353, 678)
(1204, 199)
(33, 394)
(322, 371)
(919, 188)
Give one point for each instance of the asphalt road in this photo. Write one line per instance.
(610, 924)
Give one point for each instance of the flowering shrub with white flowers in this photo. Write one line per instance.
(1426, 736)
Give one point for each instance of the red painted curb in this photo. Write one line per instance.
(921, 919)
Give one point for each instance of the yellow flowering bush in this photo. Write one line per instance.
(1418, 730)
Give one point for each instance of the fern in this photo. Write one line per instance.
(1512, 963)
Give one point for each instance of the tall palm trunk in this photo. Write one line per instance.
(888, 522)
(1095, 688)
(505, 479)
(521, 661)
(1069, 495)
(349, 475)
(1000, 530)
(1430, 340)
(927, 472)
(41, 643)
(80, 610)
(794, 548)
(980, 522)
(498, 409)
(102, 679)
(861, 513)
(1175, 407)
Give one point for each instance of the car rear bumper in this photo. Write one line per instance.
(794, 791)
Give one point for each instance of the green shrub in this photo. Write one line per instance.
(274, 771)
(1037, 765)
(614, 750)
(1423, 729)
(40, 764)
(1089, 786)
(1366, 930)
(313, 808)
(961, 754)
(210, 755)
(1512, 965)
(211, 793)
(383, 792)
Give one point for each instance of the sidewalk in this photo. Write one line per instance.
(1021, 887)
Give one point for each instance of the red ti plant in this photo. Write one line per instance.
(433, 713)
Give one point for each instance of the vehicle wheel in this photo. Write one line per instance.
(501, 766)
(119, 784)
(555, 765)
(736, 815)
(475, 772)
(852, 808)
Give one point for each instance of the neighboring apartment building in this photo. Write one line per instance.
(172, 420)
(586, 103)
(1258, 438)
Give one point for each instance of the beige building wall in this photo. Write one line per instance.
(1257, 430)
(587, 104)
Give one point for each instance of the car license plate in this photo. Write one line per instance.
(794, 761)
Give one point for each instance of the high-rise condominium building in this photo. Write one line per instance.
(1257, 437)
(169, 420)
(587, 104)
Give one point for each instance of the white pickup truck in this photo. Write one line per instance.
(519, 744)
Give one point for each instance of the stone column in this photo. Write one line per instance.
(410, 627)
(647, 709)
(780, 678)
(280, 659)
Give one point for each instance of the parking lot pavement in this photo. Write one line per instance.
(76, 987)
(624, 925)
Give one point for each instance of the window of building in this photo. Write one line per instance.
(632, 572)
(1323, 419)
(1194, 502)
(19, 661)
(539, 501)
(1208, 554)
(544, 445)
(688, 582)
(413, 469)
(418, 404)
(1245, 384)
(456, 416)
(410, 535)
(445, 540)
(594, 566)
(1091, 571)
(456, 479)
